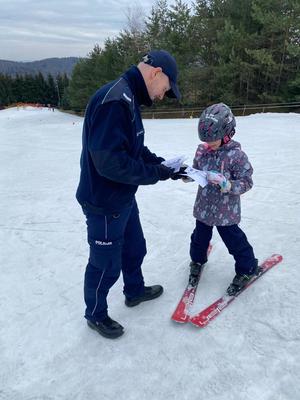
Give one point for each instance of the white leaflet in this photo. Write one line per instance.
(197, 176)
(175, 162)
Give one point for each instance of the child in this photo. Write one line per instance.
(229, 174)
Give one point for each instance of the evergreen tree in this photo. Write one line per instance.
(236, 51)
(277, 51)
(86, 79)
(155, 26)
(41, 95)
(62, 86)
(51, 90)
(5, 90)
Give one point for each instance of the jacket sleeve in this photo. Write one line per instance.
(109, 145)
(241, 175)
(151, 158)
(197, 157)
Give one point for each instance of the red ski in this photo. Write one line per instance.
(181, 314)
(211, 312)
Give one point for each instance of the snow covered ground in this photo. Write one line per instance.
(250, 352)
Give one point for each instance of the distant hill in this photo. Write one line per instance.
(47, 66)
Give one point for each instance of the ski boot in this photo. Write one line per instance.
(240, 281)
(195, 270)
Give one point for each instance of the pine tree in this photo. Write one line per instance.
(41, 89)
(5, 90)
(155, 26)
(86, 78)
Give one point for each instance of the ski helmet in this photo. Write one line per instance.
(216, 122)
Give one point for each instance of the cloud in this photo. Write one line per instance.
(31, 29)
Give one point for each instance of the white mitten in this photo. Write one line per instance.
(217, 178)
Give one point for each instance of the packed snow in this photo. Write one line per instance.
(47, 352)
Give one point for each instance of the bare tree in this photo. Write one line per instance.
(135, 15)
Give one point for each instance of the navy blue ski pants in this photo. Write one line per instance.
(116, 244)
(234, 239)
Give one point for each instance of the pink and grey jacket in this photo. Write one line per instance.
(212, 207)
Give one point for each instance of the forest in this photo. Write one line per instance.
(235, 51)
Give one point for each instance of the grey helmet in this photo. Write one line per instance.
(216, 122)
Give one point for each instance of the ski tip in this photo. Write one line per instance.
(180, 320)
(196, 323)
(177, 321)
(277, 257)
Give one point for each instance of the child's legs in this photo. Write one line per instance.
(200, 239)
(239, 247)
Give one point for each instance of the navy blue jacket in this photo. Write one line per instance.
(114, 160)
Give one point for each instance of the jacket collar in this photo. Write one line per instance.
(137, 84)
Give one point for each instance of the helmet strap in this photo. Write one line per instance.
(226, 139)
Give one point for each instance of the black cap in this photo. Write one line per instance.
(164, 60)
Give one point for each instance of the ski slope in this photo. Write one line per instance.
(250, 352)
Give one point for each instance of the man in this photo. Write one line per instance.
(114, 162)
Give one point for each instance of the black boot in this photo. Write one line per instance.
(240, 281)
(151, 292)
(107, 327)
(195, 270)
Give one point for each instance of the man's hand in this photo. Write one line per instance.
(165, 172)
(179, 174)
(187, 179)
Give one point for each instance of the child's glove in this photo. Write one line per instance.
(217, 178)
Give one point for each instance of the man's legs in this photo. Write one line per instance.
(134, 251)
(105, 238)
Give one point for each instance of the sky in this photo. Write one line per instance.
(47, 352)
(32, 30)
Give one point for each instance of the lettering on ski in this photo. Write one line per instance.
(211, 312)
(181, 314)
